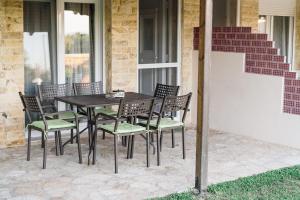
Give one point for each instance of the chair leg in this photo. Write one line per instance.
(45, 135)
(147, 149)
(129, 146)
(132, 147)
(173, 139)
(103, 135)
(116, 153)
(95, 147)
(56, 143)
(158, 147)
(183, 144)
(29, 144)
(78, 145)
(43, 142)
(61, 148)
(72, 134)
(161, 140)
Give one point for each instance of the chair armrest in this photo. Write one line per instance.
(106, 116)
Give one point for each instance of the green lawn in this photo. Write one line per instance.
(280, 184)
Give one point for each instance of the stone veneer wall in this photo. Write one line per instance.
(249, 14)
(190, 19)
(11, 72)
(124, 44)
(108, 44)
(297, 39)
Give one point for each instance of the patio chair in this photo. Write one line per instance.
(127, 109)
(162, 123)
(47, 94)
(32, 105)
(93, 88)
(161, 91)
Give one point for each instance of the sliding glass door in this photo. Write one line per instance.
(79, 34)
(39, 41)
(158, 44)
(79, 41)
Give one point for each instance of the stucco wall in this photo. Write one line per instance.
(249, 104)
(249, 14)
(11, 72)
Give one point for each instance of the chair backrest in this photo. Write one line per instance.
(172, 104)
(31, 105)
(133, 108)
(162, 90)
(47, 92)
(88, 88)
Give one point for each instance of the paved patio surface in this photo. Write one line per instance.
(230, 157)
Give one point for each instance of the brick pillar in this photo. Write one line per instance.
(249, 14)
(124, 44)
(297, 39)
(11, 72)
(190, 19)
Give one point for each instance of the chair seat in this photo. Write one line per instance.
(106, 111)
(68, 115)
(164, 123)
(122, 128)
(53, 124)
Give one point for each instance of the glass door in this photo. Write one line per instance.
(158, 60)
(79, 33)
(79, 41)
(39, 41)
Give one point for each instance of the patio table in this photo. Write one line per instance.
(90, 102)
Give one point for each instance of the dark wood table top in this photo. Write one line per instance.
(99, 100)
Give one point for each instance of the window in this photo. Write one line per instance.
(280, 29)
(158, 44)
(225, 12)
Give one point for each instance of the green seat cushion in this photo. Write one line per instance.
(164, 123)
(122, 128)
(106, 111)
(68, 115)
(53, 124)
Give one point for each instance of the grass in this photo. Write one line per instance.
(282, 184)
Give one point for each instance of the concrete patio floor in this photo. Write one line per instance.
(230, 157)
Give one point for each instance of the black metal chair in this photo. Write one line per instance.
(47, 94)
(170, 104)
(31, 105)
(93, 88)
(161, 91)
(127, 109)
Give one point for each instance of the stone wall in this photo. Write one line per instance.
(190, 19)
(11, 72)
(297, 39)
(124, 44)
(249, 14)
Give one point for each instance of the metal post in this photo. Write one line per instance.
(205, 34)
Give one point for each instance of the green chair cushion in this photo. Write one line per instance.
(106, 111)
(164, 123)
(68, 115)
(122, 128)
(53, 124)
